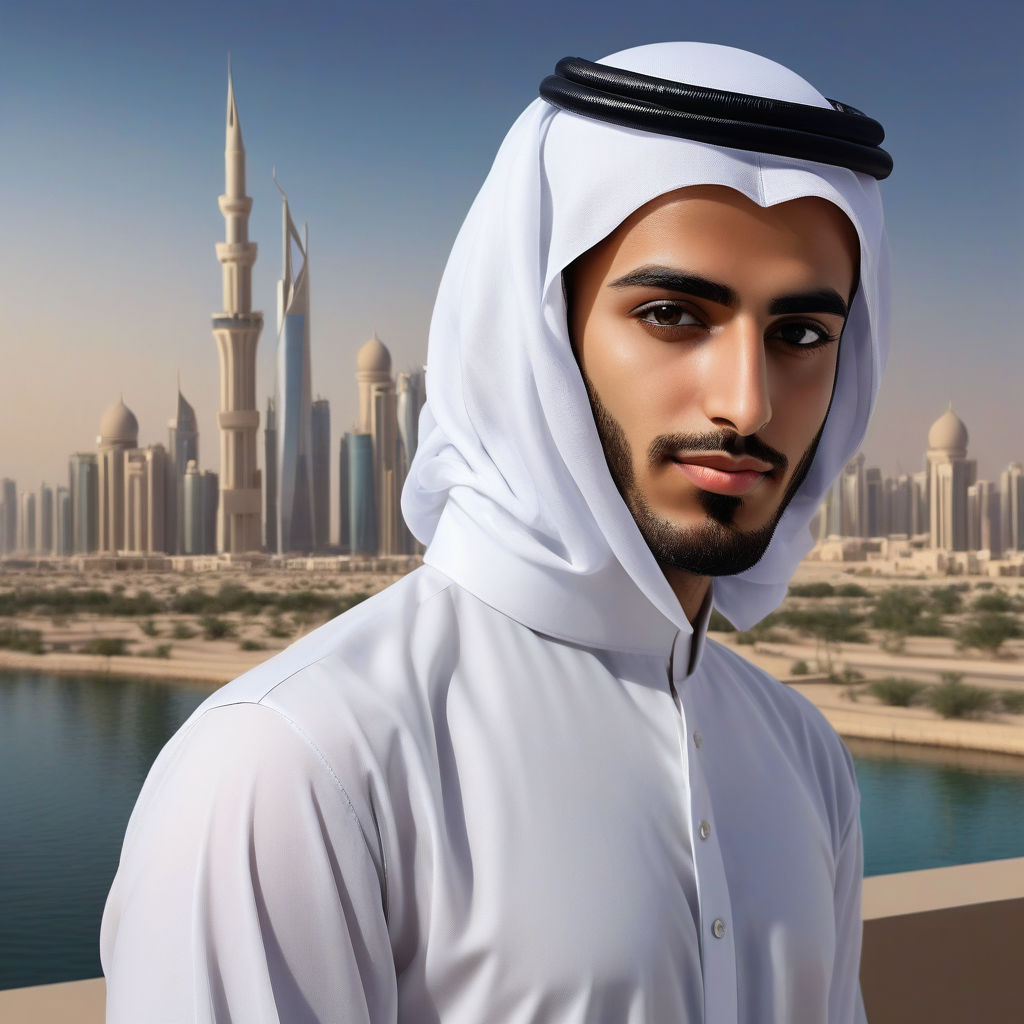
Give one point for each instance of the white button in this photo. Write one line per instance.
(705, 830)
(697, 739)
(718, 928)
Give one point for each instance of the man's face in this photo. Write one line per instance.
(707, 331)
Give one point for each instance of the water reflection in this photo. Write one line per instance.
(76, 751)
(928, 807)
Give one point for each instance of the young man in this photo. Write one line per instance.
(519, 785)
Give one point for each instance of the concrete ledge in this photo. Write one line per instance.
(945, 946)
(73, 1002)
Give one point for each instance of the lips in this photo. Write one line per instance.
(721, 474)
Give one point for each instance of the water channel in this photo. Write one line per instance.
(74, 753)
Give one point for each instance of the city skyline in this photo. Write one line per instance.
(126, 175)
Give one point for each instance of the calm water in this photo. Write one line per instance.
(74, 753)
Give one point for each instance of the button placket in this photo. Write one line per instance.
(718, 956)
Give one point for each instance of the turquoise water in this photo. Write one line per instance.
(74, 753)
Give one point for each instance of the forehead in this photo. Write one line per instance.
(717, 230)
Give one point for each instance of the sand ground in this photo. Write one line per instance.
(208, 663)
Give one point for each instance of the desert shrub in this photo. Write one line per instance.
(799, 668)
(945, 600)
(149, 628)
(929, 624)
(252, 645)
(897, 610)
(108, 646)
(988, 631)
(277, 628)
(718, 623)
(28, 640)
(831, 625)
(852, 590)
(216, 628)
(820, 589)
(993, 601)
(182, 631)
(159, 651)
(896, 691)
(1012, 701)
(953, 698)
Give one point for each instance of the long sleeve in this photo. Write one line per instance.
(846, 1005)
(247, 889)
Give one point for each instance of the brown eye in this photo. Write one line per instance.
(801, 335)
(667, 314)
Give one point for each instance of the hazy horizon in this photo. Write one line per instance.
(381, 123)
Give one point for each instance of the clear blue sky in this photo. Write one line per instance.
(382, 120)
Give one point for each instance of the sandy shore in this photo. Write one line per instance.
(208, 663)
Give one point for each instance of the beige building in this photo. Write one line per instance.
(237, 330)
(119, 433)
(378, 417)
(145, 500)
(950, 474)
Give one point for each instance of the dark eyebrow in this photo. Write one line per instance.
(677, 281)
(825, 300)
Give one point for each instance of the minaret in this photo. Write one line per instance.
(237, 330)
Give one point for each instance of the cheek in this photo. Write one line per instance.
(800, 399)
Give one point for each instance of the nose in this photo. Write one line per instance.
(736, 393)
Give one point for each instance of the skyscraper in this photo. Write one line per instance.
(321, 436)
(1011, 490)
(182, 448)
(46, 522)
(950, 473)
(27, 524)
(237, 330)
(64, 537)
(270, 479)
(363, 517)
(83, 480)
(9, 510)
(294, 399)
(119, 432)
(194, 541)
(344, 505)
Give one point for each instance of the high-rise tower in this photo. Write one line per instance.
(237, 330)
(294, 399)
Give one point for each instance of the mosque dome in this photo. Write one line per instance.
(948, 434)
(374, 357)
(119, 426)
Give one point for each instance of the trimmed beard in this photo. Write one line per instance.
(716, 547)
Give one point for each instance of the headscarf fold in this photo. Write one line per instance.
(509, 488)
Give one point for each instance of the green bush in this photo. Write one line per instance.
(108, 646)
(896, 691)
(811, 590)
(149, 628)
(852, 590)
(28, 640)
(955, 699)
(799, 668)
(988, 631)
(945, 600)
(159, 651)
(1012, 701)
(182, 631)
(993, 601)
(216, 628)
(718, 623)
(277, 628)
(252, 645)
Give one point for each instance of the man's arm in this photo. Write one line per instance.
(845, 1003)
(247, 890)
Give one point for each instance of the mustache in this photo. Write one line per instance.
(727, 441)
